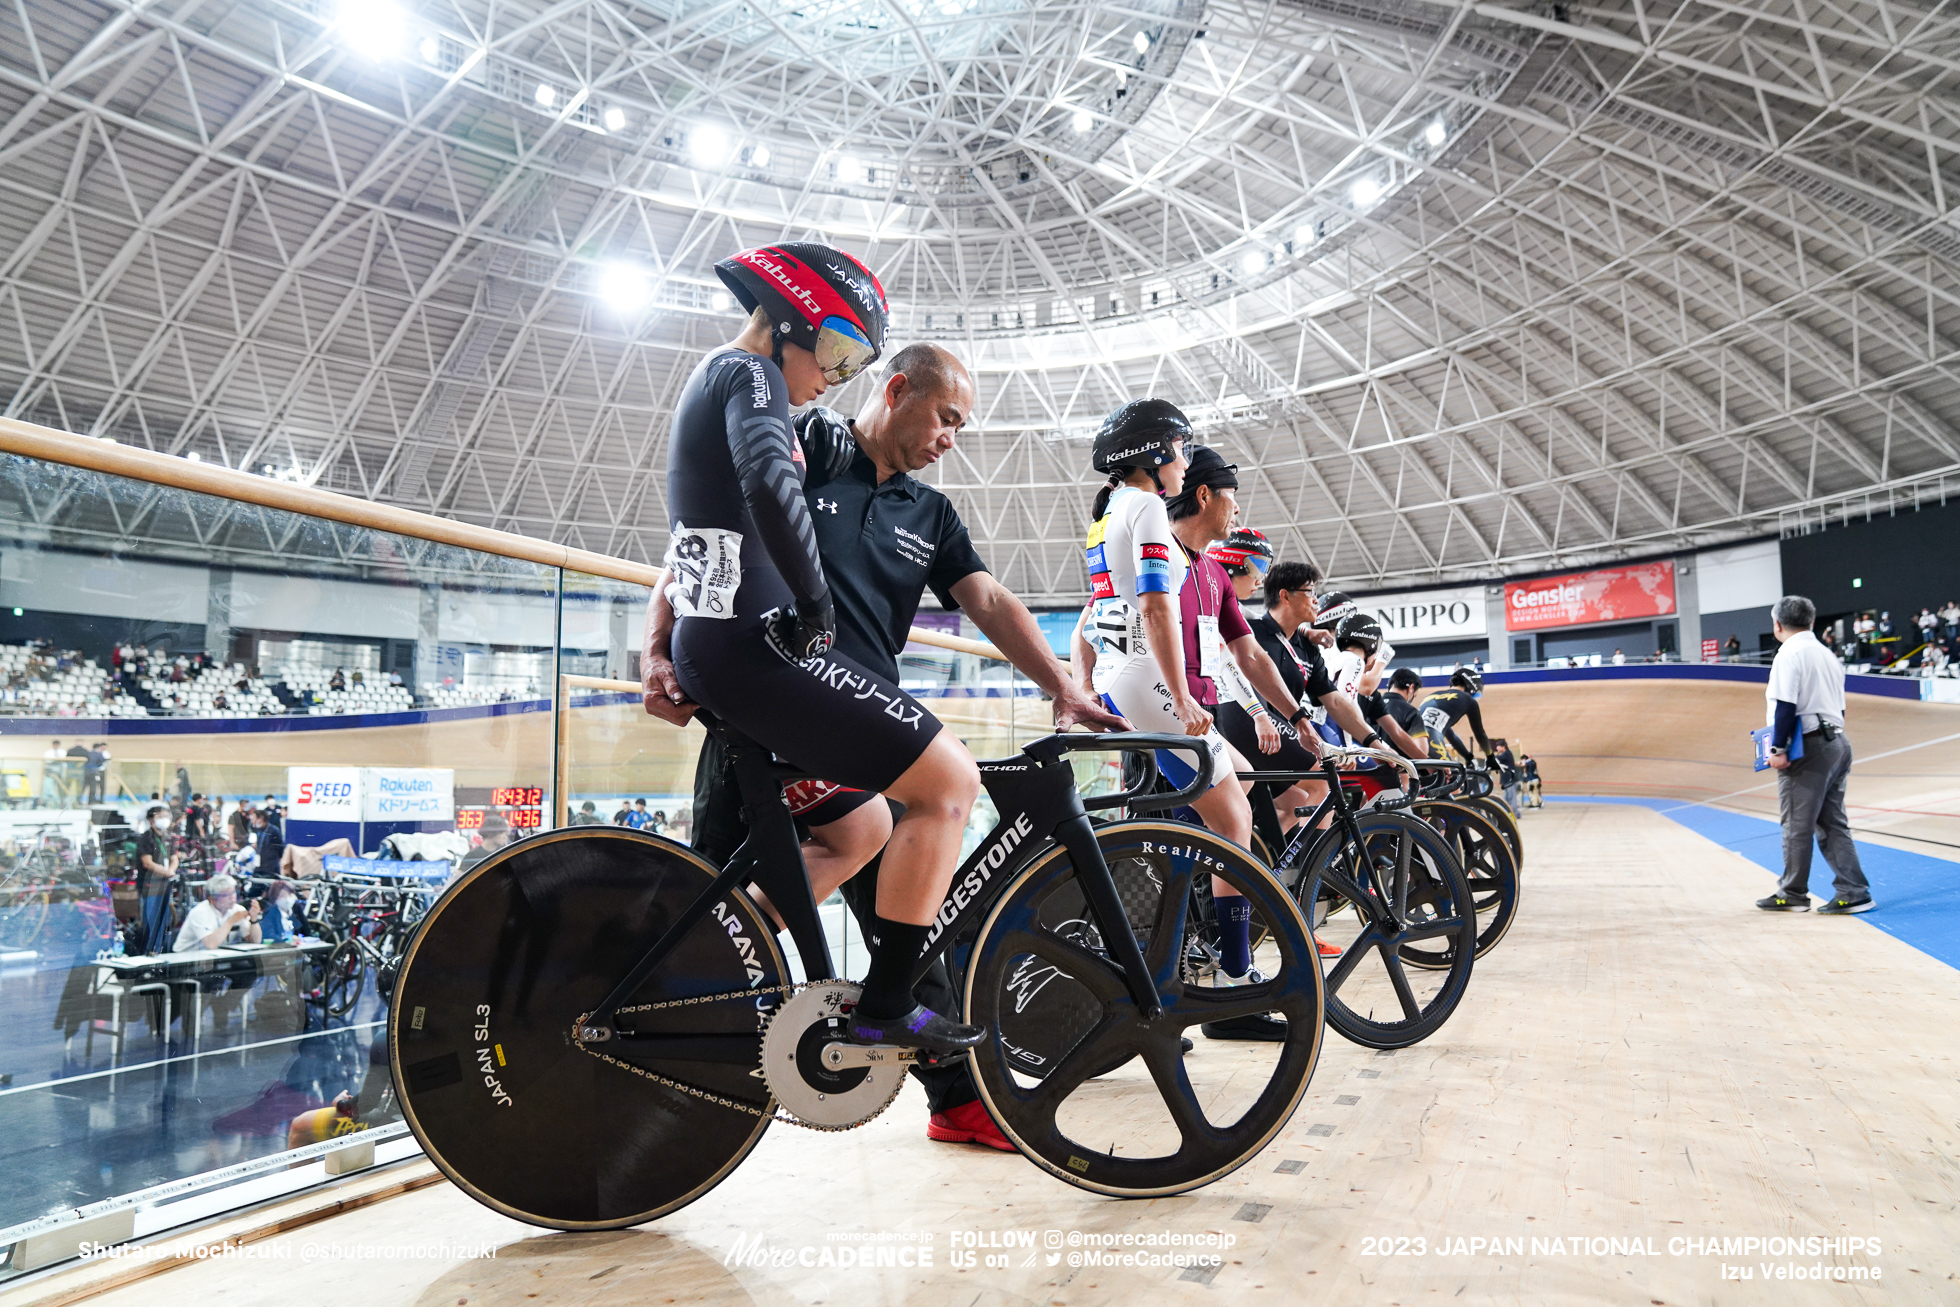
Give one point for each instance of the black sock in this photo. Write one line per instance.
(895, 950)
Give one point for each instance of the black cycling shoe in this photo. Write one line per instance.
(1255, 1026)
(919, 1028)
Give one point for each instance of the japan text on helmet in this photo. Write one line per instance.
(1469, 678)
(1140, 434)
(1334, 607)
(1242, 551)
(1359, 631)
(816, 297)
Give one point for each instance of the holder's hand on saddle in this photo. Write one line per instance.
(1074, 708)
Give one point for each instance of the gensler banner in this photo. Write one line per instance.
(1428, 615)
(1613, 594)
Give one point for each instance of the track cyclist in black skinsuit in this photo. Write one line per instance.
(754, 619)
(1442, 710)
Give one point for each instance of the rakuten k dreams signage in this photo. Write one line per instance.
(1428, 615)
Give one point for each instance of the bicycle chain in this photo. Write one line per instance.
(695, 1091)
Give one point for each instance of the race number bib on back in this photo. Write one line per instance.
(1436, 719)
(707, 567)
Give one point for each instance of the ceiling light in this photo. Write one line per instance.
(195, 457)
(624, 287)
(1304, 235)
(1141, 42)
(615, 119)
(1436, 133)
(374, 28)
(721, 302)
(430, 49)
(759, 156)
(847, 168)
(1364, 192)
(1082, 120)
(707, 144)
(1253, 261)
(544, 95)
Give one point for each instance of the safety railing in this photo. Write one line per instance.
(211, 676)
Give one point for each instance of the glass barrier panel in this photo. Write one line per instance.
(240, 752)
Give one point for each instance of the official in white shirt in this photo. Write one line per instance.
(1806, 697)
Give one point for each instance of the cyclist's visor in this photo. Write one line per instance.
(842, 350)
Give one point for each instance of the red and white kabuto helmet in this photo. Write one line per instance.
(816, 297)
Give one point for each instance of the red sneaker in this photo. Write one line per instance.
(1327, 950)
(967, 1124)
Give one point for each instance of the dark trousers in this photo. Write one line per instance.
(156, 923)
(1810, 793)
(719, 830)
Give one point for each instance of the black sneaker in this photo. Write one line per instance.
(1845, 907)
(919, 1028)
(1785, 903)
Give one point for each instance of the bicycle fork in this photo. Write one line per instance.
(1078, 836)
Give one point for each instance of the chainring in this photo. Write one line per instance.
(792, 1061)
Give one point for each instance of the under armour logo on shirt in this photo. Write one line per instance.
(827, 505)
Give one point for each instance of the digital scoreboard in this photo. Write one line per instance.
(521, 807)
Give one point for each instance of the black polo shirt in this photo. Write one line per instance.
(881, 546)
(1382, 704)
(1299, 661)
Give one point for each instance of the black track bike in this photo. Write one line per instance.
(591, 1028)
(1389, 890)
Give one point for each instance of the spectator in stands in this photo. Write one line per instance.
(395, 679)
(637, 819)
(587, 815)
(1929, 626)
(1732, 651)
(624, 817)
(156, 869)
(656, 823)
(177, 672)
(357, 678)
(94, 772)
(338, 681)
(219, 701)
(1950, 615)
(1619, 659)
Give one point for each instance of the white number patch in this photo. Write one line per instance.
(1435, 718)
(707, 567)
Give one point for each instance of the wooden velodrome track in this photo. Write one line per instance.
(1646, 1059)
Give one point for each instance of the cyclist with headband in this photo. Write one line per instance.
(1130, 644)
(1443, 709)
(754, 619)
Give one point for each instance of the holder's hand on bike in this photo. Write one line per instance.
(1075, 708)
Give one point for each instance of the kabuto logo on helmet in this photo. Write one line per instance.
(760, 259)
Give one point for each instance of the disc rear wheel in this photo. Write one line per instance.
(480, 1031)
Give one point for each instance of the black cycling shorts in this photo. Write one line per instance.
(829, 717)
(1235, 724)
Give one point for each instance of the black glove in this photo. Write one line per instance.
(828, 444)
(797, 638)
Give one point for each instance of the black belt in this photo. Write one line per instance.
(1829, 730)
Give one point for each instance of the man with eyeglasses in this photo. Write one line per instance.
(217, 921)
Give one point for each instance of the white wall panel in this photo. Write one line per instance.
(1744, 576)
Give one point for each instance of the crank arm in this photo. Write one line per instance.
(842, 1056)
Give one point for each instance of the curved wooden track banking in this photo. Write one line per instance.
(1689, 740)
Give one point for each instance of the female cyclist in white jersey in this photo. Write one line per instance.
(1134, 630)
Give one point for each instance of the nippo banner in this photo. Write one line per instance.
(1614, 594)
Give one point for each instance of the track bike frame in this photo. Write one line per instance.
(1035, 795)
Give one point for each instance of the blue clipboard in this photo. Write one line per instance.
(1760, 738)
